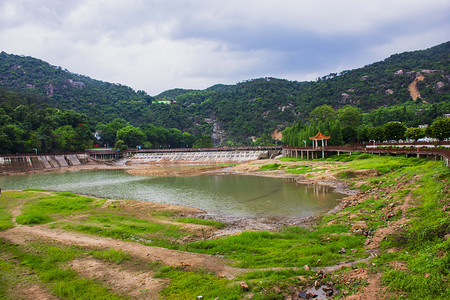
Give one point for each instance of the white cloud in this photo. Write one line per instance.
(157, 45)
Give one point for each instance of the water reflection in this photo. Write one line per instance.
(225, 194)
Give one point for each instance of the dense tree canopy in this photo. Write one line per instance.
(440, 129)
(345, 103)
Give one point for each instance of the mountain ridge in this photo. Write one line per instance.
(249, 108)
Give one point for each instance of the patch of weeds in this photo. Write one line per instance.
(111, 255)
(128, 228)
(14, 278)
(347, 157)
(291, 159)
(5, 217)
(43, 208)
(270, 167)
(188, 285)
(384, 164)
(420, 246)
(292, 246)
(216, 224)
(32, 218)
(364, 187)
(49, 264)
(35, 190)
(275, 284)
(424, 275)
(305, 169)
(5, 282)
(274, 275)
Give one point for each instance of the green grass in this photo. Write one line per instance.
(383, 164)
(189, 285)
(5, 216)
(49, 264)
(111, 255)
(304, 169)
(291, 247)
(31, 218)
(270, 167)
(421, 244)
(129, 229)
(41, 208)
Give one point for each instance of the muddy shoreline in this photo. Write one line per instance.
(235, 224)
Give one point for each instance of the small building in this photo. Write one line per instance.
(319, 137)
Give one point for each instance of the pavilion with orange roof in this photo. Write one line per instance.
(319, 137)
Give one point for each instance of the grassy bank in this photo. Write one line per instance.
(398, 228)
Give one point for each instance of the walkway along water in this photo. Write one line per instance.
(32, 162)
(409, 150)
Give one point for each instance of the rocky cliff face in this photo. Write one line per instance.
(218, 135)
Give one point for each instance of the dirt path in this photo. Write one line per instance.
(186, 260)
(132, 283)
(394, 226)
(34, 292)
(373, 290)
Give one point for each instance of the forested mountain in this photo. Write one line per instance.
(411, 87)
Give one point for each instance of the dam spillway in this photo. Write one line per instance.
(199, 157)
(25, 163)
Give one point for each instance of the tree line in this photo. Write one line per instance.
(122, 135)
(29, 125)
(348, 125)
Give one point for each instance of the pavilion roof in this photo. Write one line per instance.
(319, 136)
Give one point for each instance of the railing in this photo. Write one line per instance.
(40, 154)
(363, 148)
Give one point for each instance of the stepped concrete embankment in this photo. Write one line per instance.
(26, 163)
(200, 157)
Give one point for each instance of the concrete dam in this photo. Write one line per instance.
(200, 157)
(24, 163)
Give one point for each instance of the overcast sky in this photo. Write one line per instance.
(155, 45)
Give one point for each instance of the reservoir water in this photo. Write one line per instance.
(223, 194)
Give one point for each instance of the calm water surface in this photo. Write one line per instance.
(225, 194)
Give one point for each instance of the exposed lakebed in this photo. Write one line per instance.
(231, 195)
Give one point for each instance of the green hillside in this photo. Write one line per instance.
(252, 108)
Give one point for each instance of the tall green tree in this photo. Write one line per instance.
(414, 133)
(131, 136)
(394, 131)
(440, 129)
(376, 133)
(349, 116)
(322, 113)
(203, 141)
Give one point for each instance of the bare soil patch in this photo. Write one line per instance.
(165, 170)
(372, 291)
(134, 284)
(394, 226)
(34, 292)
(413, 90)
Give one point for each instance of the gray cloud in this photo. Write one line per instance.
(157, 45)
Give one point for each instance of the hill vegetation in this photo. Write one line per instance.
(247, 112)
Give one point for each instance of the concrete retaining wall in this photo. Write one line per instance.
(40, 162)
(217, 157)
